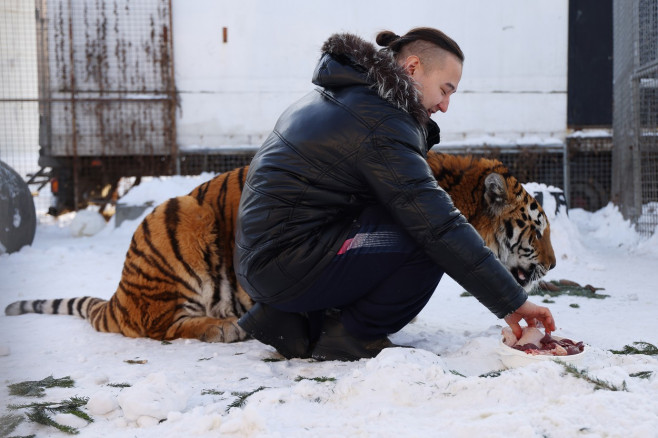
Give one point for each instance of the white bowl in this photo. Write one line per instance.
(513, 358)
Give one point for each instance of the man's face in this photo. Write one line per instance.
(436, 83)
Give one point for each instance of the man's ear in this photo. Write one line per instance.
(411, 64)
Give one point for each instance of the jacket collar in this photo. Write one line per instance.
(381, 71)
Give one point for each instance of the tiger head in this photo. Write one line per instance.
(518, 231)
(511, 222)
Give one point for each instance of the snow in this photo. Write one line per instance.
(16, 222)
(152, 398)
(87, 223)
(591, 133)
(155, 190)
(442, 387)
(503, 142)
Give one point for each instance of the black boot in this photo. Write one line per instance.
(285, 331)
(336, 343)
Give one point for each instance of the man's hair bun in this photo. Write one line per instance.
(386, 37)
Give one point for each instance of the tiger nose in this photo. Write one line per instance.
(551, 260)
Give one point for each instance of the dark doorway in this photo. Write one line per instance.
(589, 89)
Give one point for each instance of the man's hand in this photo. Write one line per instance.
(531, 313)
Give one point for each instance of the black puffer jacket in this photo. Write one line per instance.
(360, 138)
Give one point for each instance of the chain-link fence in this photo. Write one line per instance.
(589, 163)
(19, 91)
(585, 158)
(580, 168)
(635, 118)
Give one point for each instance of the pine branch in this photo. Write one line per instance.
(242, 398)
(212, 392)
(40, 416)
(72, 403)
(642, 374)
(598, 383)
(36, 388)
(39, 412)
(8, 423)
(491, 374)
(644, 348)
(316, 379)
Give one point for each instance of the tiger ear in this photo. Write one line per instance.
(495, 190)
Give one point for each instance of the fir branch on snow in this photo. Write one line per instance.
(8, 423)
(119, 385)
(39, 412)
(642, 374)
(211, 392)
(40, 416)
(316, 379)
(491, 374)
(598, 383)
(242, 398)
(36, 388)
(69, 406)
(642, 348)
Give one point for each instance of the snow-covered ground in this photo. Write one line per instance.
(443, 387)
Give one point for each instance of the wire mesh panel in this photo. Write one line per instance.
(19, 112)
(193, 161)
(635, 118)
(590, 163)
(584, 174)
(646, 79)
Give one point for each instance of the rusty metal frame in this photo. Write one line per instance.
(161, 95)
(173, 97)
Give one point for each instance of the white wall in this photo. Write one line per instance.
(513, 87)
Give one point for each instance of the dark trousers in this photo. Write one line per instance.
(380, 280)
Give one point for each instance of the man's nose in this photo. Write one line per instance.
(443, 106)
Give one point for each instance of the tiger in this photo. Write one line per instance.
(178, 278)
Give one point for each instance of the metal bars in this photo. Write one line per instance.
(635, 117)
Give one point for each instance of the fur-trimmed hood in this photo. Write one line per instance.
(381, 71)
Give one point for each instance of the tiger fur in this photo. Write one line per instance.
(178, 279)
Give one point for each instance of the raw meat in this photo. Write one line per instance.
(534, 342)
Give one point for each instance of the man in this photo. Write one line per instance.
(343, 233)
